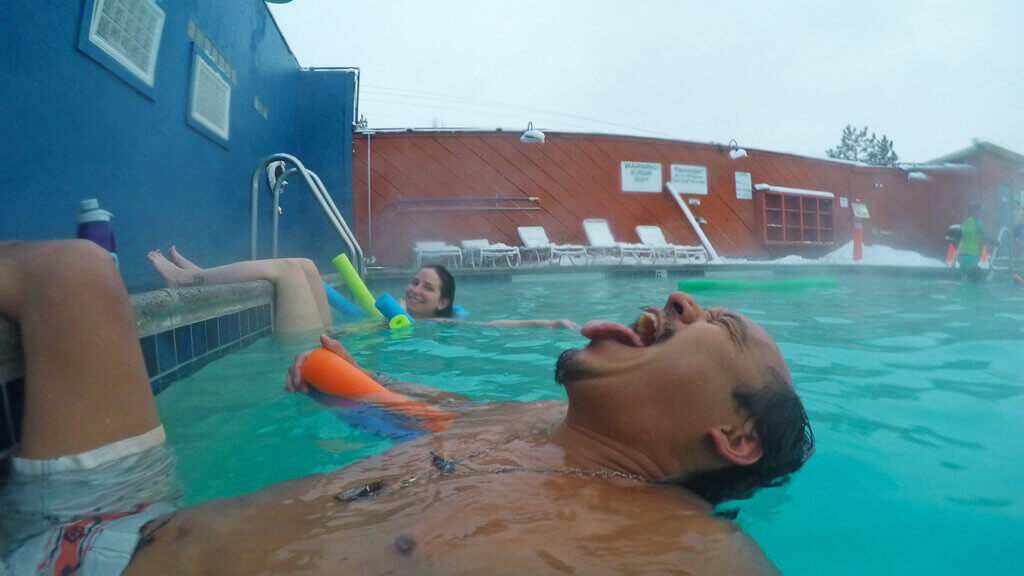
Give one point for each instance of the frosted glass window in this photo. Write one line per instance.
(211, 98)
(129, 31)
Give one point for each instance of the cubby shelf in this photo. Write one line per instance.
(794, 219)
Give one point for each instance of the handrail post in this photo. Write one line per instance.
(276, 213)
(712, 255)
(319, 192)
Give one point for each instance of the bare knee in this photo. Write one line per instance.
(75, 260)
(43, 269)
(285, 269)
(77, 269)
(306, 265)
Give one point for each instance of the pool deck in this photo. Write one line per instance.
(756, 269)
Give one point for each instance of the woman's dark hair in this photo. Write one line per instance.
(786, 440)
(447, 290)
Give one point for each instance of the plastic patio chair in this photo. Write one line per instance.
(654, 238)
(481, 251)
(436, 250)
(536, 245)
(602, 243)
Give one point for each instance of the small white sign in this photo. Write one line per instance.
(690, 179)
(641, 177)
(860, 211)
(843, 202)
(744, 186)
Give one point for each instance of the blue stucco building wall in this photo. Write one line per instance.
(70, 129)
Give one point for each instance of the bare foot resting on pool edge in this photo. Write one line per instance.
(174, 275)
(181, 261)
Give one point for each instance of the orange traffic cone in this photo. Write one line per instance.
(950, 254)
(984, 254)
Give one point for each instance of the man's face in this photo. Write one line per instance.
(662, 384)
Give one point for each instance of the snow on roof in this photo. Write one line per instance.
(979, 148)
(800, 191)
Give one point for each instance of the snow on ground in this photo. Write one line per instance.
(876, 255)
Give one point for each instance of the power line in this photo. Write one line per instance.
(485, 112)
(404, 92)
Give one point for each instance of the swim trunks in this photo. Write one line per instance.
(967, 262)
(93, 546)
(82, 513)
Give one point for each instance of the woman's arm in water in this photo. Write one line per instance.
(558, 323)
(295, 383)
(505, 323)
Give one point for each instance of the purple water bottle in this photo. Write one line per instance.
(94, 224)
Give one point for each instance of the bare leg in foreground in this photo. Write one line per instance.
(85, 380)
(300, 302)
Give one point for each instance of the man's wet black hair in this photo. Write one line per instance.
(786, 440)
(447, 290)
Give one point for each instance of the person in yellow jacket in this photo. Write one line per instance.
(972, 239)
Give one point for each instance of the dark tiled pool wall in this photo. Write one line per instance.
(12, 396)
(177, 353)
(173, 346)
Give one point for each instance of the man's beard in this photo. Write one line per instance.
(568, 367)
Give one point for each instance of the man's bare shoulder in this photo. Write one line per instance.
(665, 528)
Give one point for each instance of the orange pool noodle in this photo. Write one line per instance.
(329, 373)
(1018, 279)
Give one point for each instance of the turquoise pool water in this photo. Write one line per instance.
(914, 387)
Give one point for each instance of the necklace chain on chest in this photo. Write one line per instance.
(448, 467)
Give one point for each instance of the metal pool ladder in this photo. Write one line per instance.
(290, 166)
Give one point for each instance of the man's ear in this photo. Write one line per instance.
(739, 445)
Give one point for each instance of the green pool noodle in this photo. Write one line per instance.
(355, 284)
(786, 285)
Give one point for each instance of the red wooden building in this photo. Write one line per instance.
(459, 185)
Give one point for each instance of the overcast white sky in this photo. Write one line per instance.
(783, 75)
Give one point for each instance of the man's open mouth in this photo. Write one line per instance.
(645, 330)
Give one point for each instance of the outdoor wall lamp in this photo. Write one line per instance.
(735, 152)
(532, 135)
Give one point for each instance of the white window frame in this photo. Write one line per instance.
(201, 67)
(148, 76)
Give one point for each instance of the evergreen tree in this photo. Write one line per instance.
(856, 145)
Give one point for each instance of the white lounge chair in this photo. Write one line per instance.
(436, 250)
(481, 251)
(602, 243)
(536, 245)
(653, 237)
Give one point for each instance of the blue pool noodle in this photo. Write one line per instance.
(459, 312)
(372, 419)
(390, 308)
(339, 303)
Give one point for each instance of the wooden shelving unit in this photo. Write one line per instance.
(794, 219)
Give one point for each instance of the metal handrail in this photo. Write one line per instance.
(1003, 235)
(316, 186)
(279, 185)
(712, 255)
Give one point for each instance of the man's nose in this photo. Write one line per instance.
(682, 307)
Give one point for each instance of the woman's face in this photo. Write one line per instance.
(423, 295)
